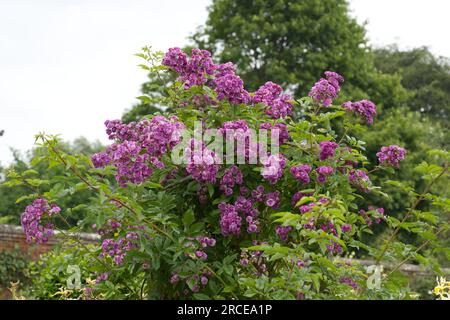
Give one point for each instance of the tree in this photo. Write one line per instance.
(291, 43)
(288, 42)
(424, 75)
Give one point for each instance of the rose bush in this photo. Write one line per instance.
(178, 220)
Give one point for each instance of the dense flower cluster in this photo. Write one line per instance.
(279, 128)
(193, 72)
(230, 221)
(391, 155)
(245, 207)
(202, 162)
(231, 177)
(176, 59)
(100, 160)
(327, 149)
(200, 70)
(31, 220)
(301, 173)
(231, 87)
(231, 216)
(372, 215)
(238, 130)
(283, 232)
(157, 135)
(326, 89)
(364, 108)
(258, 194)
(132, 166)
(279, 105)
(359, 179)
(273, 167)
(323, 172)
(139, 146)
(118, 249)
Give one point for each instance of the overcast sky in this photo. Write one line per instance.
(67, 65)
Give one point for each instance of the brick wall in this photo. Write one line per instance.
(13, 236)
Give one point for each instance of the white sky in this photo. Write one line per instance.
(66, 66)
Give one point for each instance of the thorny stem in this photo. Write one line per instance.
(423, 245)
(83, 245)
(316, 111)
(410, 211)
(95, 188)
(221, 280)
(343, 135)
(90, 185)
(374, 169)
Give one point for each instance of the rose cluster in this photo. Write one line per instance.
(391, 156)
(360, 180)
(139, 147)
(327, 149)
(199, 69)
(279, 129)
(231, 177)
(364, 108)
(326, 89)
(273, 167)
(117, 250)
(32, 220)
(301, 173)
(202, 162)
(278, 104)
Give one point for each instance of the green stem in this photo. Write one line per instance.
(409, 213)
(423, 245)
(221, 280)
(95, 188)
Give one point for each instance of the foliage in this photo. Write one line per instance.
(20, 177)
(288, 42)
(14, 267)
(424, 75)
(50, 274)
(174, 230)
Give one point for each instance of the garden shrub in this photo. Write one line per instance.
(13, 268)
(275, 220)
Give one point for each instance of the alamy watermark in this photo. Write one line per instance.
(74, 277)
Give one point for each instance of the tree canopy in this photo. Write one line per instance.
(288, 42)
(425, 76)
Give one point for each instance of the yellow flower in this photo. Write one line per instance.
(442, 290)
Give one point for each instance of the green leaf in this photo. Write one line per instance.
(211, 189)
(201, 296)
(29, 172)
(188, 218)
(144, 99)
(26, 197)
(305, 200)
